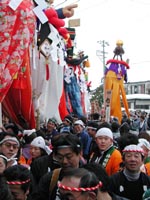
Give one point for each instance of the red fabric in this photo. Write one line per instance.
(53, 18)
(62, 106)
(47, 72)
(83, 102)
(18, 101)
(119, 62)
(16, 32)
(57, 23)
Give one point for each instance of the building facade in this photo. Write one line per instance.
(138, 95)
(142, 87)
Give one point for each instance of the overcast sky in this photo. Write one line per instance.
(112, 20)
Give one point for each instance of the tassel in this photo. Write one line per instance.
(58, 61)
(47, 70)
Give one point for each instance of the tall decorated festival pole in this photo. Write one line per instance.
(115, 75)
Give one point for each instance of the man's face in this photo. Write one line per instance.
(78, 128)
(72, 195)
(66, 122)
(17, 192)
(67, 158)
(133, 161)
(91, 132)
(35, 151)
(104, 142)
(50, 126)
(9, 148)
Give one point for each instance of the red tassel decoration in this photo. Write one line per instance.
(58, 61)
(47, 70)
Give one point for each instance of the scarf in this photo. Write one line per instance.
(131, 176)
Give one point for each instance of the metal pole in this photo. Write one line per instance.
(102, 54)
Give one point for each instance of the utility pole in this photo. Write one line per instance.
(102, 53)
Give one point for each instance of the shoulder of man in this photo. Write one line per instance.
(42, 190)
(145, 179)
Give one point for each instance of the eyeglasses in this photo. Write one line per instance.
(9, 145)
(61, 157)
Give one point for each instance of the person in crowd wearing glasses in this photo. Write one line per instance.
(67, 150)
(10, 147)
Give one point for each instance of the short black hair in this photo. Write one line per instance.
(4, 134)
(127, 139)
(13, 126)
(66, 139)
(101, 174)
(18, 173)
(87, 178)
(104, 125)
(92, 124)
(5, 193)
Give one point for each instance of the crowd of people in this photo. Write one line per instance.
(81, 158)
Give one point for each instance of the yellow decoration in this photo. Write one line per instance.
(119, 43)
(15, 76)
(86, 63)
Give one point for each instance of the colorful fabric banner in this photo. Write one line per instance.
(16, 32)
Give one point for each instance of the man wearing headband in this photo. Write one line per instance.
(10, 147)
(91, 128)
(79, 130)
(131, 183)
(106, 155)
(67, 151)
(78, 184)
(51, 129)
(67, 124)
(19, 180)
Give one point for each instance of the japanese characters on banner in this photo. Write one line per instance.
(108, 104)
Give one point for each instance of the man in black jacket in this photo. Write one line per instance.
(130, 183)
(67, 151)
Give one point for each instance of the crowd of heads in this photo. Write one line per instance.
(85, 175)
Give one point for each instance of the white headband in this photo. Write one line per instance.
(40, 142)
(10, 139)
(104, 132)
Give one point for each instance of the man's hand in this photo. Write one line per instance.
(68, 11)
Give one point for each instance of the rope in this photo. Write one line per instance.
(17, 182)
(99, 185)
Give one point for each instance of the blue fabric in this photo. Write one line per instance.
(85, 141)
(73, 95)
(65, 129)
(60, 13)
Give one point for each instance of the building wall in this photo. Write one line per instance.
(142, 87)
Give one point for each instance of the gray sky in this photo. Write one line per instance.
(112, 20)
